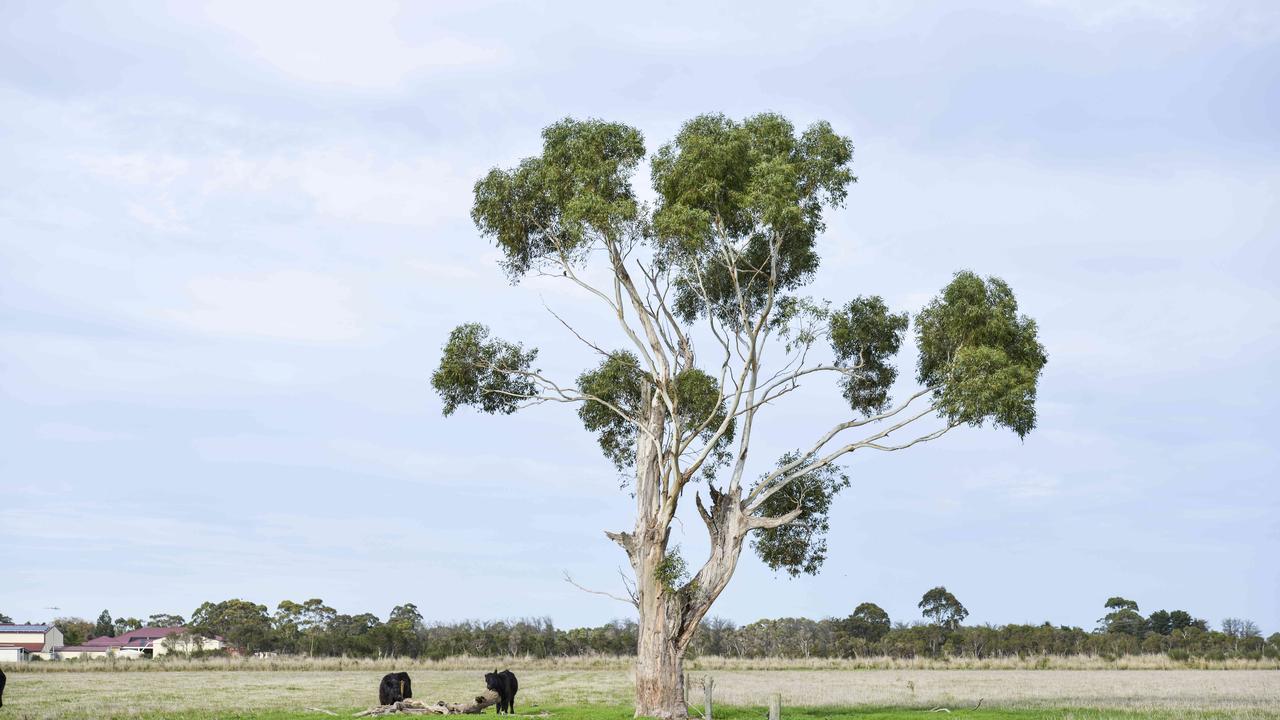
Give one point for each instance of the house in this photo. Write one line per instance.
(143, 643)
(20, 642)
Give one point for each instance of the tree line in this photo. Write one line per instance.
(313, 628)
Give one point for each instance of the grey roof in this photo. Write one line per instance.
(25, 628)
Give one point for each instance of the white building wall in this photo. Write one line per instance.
(51, 640)
(184, 645)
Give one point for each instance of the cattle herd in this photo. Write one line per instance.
(396, 687)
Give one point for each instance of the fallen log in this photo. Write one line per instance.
(417, 707)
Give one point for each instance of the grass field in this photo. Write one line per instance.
(570, 694)
(712, 663)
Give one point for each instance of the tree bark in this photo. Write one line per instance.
(659, 672)
(670, 616)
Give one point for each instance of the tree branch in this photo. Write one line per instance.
(631, 601)
(767, 487)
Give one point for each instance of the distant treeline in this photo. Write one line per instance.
(313, 628)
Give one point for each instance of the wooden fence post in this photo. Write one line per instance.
(707, 684)
(775, 706)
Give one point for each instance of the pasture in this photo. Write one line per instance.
(604, 694)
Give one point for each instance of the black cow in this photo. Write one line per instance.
(2, 682)
(504, 683)
(394, 688)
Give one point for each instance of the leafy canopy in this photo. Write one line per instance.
(868, 621)
(730, 239)
(865, 335)
(801, 545)
(942, 608)
(619, 387)
(489, 374)
(550, 206)
(981, 358)
(752, 185)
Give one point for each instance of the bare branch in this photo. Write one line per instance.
(768, 487)
(923, 438)
(571, 329)
(755, 522)
(629, 601)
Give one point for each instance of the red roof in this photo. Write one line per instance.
(81, 648)
(31, 647)
(135, 638)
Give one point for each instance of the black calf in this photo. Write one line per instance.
(504, 683)
(394, 688)
(2, 682)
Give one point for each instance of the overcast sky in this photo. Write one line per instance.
(233, 238)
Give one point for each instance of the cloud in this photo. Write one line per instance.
(289, 305)
(73, 433)
(351, 45)
(345, 181)
(1244, 19)
(1015, 484)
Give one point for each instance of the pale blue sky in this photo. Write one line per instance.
(234, 236)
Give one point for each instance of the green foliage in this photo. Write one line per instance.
(75, 631)
(242, 623)
(314, 628)
(980, 357)
(801, 545)
(673, 571)
(1160, 623)
(165, 620)
(1180, 619)
(942, 608)
(619, 385)
(1124, 618)
(700, 409)
(619, 382)
(556, 203)
(866, 336)
(1119, 603)
(798, 321)
(750, 184)
(483, 373)
(126, 625)
(105, 627)
(299, 627)
(868, 622)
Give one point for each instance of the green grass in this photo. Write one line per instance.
(746, 713)
(555, 694)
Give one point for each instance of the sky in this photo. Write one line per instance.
(234, 237)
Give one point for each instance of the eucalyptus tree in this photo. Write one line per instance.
(941, 607)
(705, 287)
(869, 622)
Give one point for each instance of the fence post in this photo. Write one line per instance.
(775, 706)
(707, 684)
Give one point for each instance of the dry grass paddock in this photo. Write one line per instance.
(1241, 693)
(613, 662)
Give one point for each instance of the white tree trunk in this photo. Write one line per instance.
(659, 667)
(670, 616)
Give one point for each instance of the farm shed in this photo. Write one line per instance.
(19, 642)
